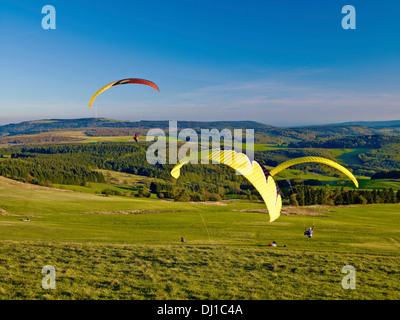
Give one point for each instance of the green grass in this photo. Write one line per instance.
(380, 184)
(366, 184)
(265, 147)
(97, 188)
(93, 271)
(108, 139)
(129, 248)
(298, 174)
(125, 183)
(350, 156)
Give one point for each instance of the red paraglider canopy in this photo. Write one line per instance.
(136, 80)
(123, 81)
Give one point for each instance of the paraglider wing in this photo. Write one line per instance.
(328, 162)
(252, 171)
(123, 81)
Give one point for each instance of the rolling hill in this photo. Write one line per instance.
(262, 130)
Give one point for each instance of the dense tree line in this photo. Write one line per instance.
(123, 157)
(362, 141)
(275, 157)
(76, 163)
(202, 192)
(379, 152)
(44, 171)
(302, 195)
(112, 132)
(385, 158)
(392, 174)
(38, 139)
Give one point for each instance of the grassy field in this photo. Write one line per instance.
(350, 156)
(380, 184)
(129, 248)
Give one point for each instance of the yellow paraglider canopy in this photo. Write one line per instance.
(328, 162)
(251, 170)
(260, 178)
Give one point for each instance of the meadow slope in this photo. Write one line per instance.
(129, 248)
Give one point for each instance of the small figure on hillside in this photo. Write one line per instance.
(309, 232)
(182, 239)
(273, 244)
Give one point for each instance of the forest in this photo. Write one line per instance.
(362, 141)
(304, 195)
(77, 164)
(52, 158)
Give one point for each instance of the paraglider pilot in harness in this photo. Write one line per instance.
(309, 232)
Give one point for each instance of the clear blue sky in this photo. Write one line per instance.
(278, 62)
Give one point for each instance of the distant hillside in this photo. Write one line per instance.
(264, 133)
(371, 124)
(330, 131)
(40, 126)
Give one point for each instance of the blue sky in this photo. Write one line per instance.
(276, 62)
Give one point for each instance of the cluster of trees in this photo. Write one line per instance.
(275, 157)
(309, 134)
(385, 158)
(141, 193)
(122, 157)
(379, 152)
(302, 195)
(48, 138)
(393, 174)
(110, 132)
(76, 163)
(45, 171)
(78, 160)
(196, 191)
(362, 141)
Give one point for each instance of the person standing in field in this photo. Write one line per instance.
(309, 232)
